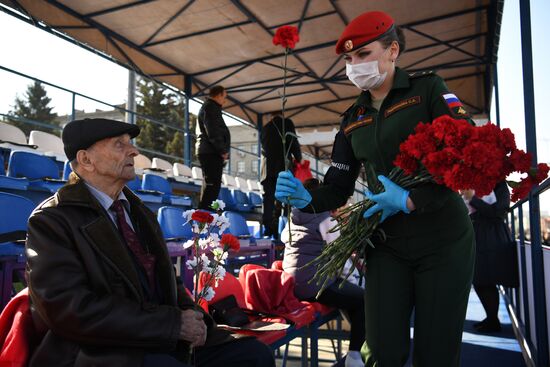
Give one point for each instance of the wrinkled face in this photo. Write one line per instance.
(113, 158)
(372, 52)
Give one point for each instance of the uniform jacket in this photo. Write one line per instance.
(85, 289)
(214, 135)
(368, 135)
(272, 147)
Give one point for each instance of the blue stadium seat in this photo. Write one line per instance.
(66, 170)
(135, 184)
(173, 224)
(41, 171)
(154, 187)
(241, 201)
(13, 223)
(282, 223)
(11, 182)
(227, 198)
(255, 199)
(237, 225)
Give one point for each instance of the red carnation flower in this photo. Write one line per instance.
(286, 36)
(228, 241)
(202, 217)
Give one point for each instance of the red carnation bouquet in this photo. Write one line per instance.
(446, 151)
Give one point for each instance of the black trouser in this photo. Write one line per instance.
(212, 168)
(272, 208)
(240, 353)
(350, 299)
(488, 295)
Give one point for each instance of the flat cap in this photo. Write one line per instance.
(82, 134)
(364, 29)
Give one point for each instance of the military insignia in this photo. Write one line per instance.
(361, 122)
(402, 104)
(360, 111)
(455, 106)
(348, 45)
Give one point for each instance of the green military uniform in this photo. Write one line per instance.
(427, 260)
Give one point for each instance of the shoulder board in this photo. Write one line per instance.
(419, 74)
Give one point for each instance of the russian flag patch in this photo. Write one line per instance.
(452, 100)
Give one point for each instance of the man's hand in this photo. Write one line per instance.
(193, 328)
(225, 156)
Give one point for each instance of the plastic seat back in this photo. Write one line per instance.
(255, 199)
(15, 219)
(31, 166)
(141, 163)
(237, 224)
(240, 197)
(242, 184)
(135, 184)
(163, 165)
(156, 183)
(229, 181)
(196, 172)
(46, 142)
(182, 170)
(227, 198)
(12, 134)
(173, 224)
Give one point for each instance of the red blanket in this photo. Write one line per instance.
(272, 291)
(16, 331)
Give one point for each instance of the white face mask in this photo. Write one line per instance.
(365, 75)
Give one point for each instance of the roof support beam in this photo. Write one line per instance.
(117, 8)
(438, 53)
(270, 90)
(306, 6)
(448, 44)
(252, 17)
(275, 56)
(200, 92)
(170, 20)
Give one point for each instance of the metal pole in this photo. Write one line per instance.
(260, 127)
(187, 137)
(524, 283)
(317, 162)
(73, 108)
(497, 101)
(131, 105)
(541, 353)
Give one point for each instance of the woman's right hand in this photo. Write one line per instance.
(289, 190)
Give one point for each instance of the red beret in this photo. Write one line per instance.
(364, 29)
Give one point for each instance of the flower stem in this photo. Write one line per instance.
(283, 137)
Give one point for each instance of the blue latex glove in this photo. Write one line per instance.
(392, 200)
(289, 190)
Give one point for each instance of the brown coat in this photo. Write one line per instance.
(85, 289)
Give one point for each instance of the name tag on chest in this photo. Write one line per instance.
(362, 121)
(402, 104)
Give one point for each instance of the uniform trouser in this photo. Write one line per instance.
(212, 168)
(433, 275)
(272, 208)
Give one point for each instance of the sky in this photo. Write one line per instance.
(37, 53)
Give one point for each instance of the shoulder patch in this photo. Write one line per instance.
(456, 108)
(419, 74)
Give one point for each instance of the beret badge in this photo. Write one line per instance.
(348, 45)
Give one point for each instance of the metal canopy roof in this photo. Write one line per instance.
(194, 44)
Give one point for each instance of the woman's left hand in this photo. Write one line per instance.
(390, 201)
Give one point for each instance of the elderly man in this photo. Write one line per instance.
(102, 285)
